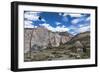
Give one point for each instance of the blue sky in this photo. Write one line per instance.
(73, 23)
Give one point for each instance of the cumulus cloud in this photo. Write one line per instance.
(75, 30)
(34, 16)
(43, 20)
(57, 23)
(55, 29)
(81, 25)
(88, 19)
(60, 14)
(78, 25)
(84, 29)
(75, 15)
(63, 14)
(30, 17)
(71, 14)
(46, 26)
(28, 24)
(65, 19)
(75, 21)
(80, 19)
(61, 29)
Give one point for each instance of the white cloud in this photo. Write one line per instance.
(65, 14)
(63, 26)
(75, 15)
(35, 26)
(43, 20)
(75, 21)
(60, 14)
(32, 15)
(75, 30)
(65, 19)
(57, 23)
(28, 24)
(61, 29)
(88, 19)
(71, 14)
(83, 29)
(46, 26)
(81, 25)
(79, 19)
(54, 29)
(72, 27)
(31, 12)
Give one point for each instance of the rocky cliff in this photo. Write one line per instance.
(41, 38)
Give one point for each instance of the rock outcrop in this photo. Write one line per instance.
(40, 38)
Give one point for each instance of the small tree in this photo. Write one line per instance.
(61, 41)
(49, 44)
(54, 40)
(30, 44)
(30, 41)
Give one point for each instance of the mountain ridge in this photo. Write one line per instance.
(42, 37)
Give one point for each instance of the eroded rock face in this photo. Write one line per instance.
(39, 38)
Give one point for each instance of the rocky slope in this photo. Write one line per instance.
(80, 44)
(41, 38)
(46, 45)
(83, 38)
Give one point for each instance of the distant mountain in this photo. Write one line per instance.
(41, 38)
(82, 39)
(81, 35)
(65, 34)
